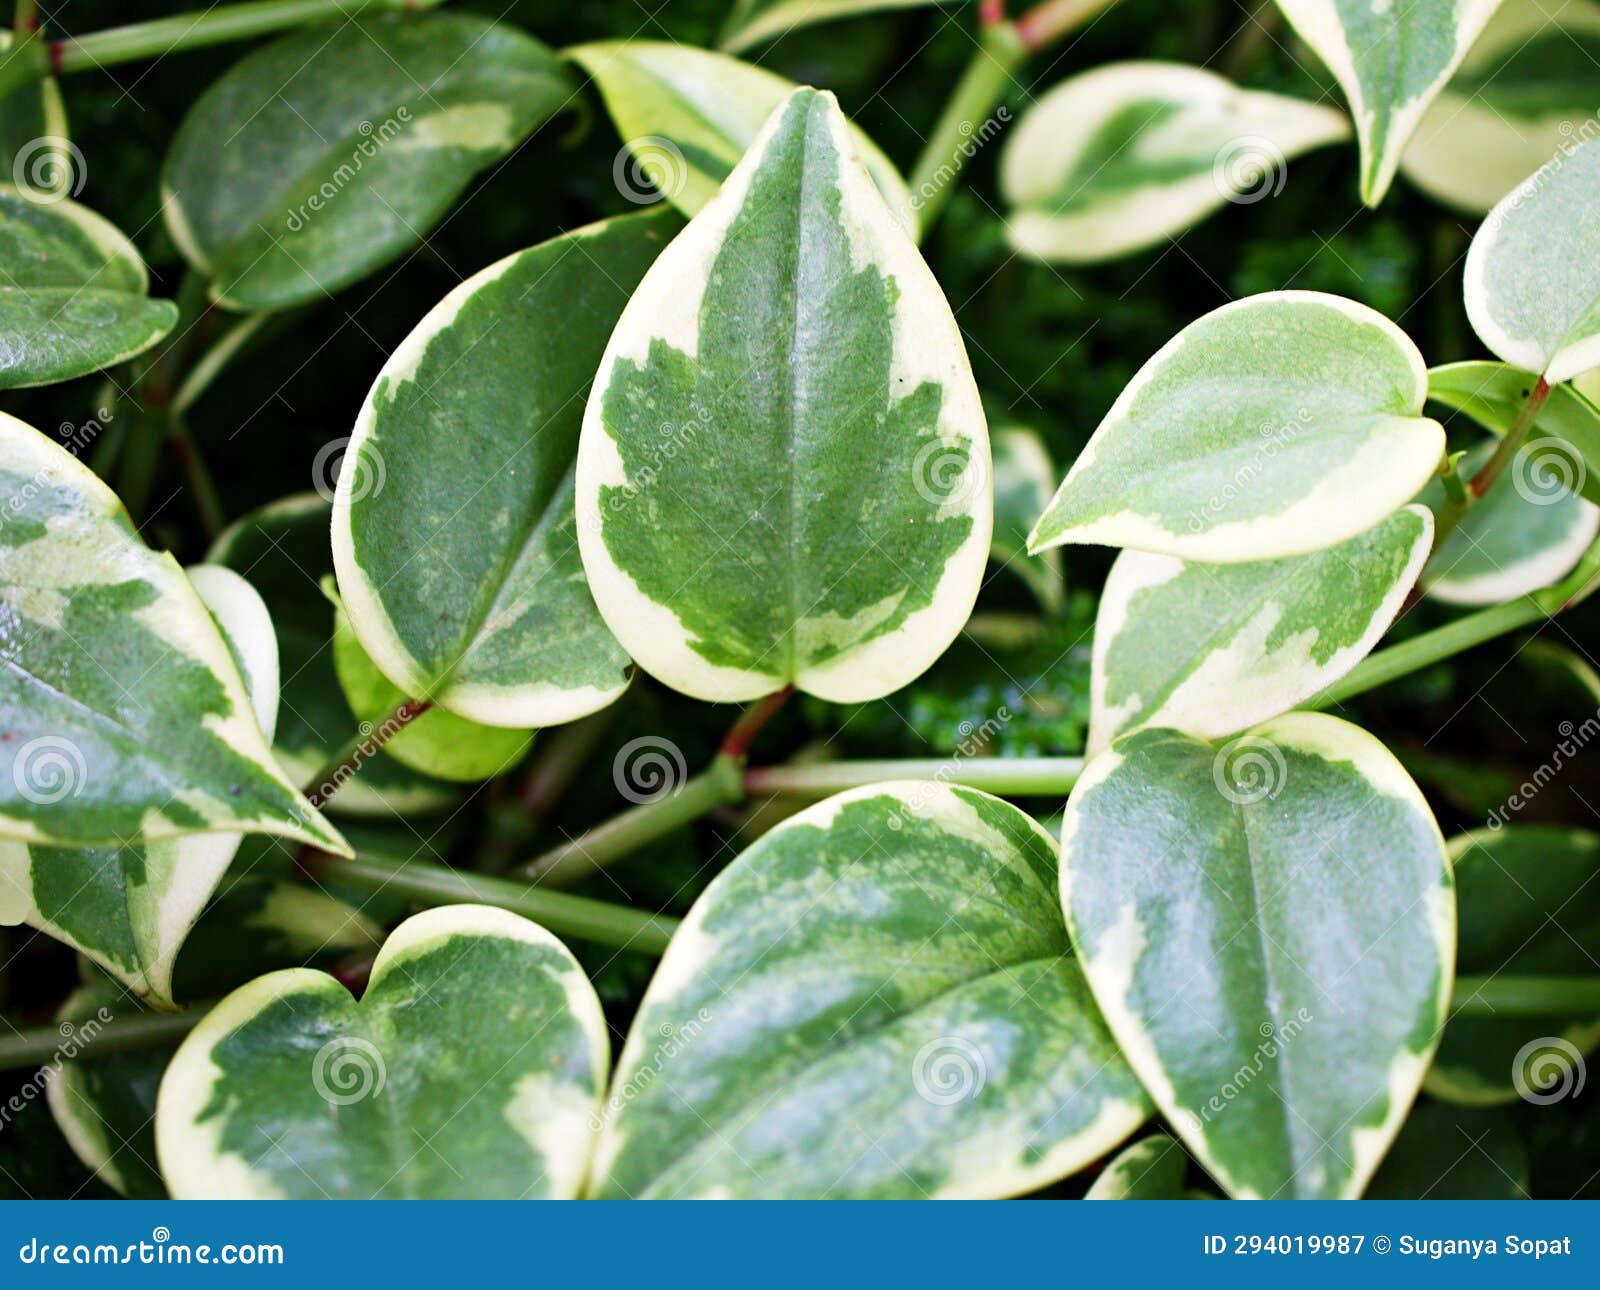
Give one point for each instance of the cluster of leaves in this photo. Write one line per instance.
(731, 445)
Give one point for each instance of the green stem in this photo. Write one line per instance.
(207, 500)
(1491, 470)
(26, 17)
(1525, 996)
(1048, 22)
(564, 914)
(360, 747)
(43, 1045)
(1003, 776)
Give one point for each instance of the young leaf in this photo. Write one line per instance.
(1390, 60)
(1024, 477)
(686, 117)
(1511, 105)
(755, 21)
(129, 908)
(1532, 280)
(72, 292)
(1529, 897)
(478, 1035)
(1210, 649)
(1454, 1153)
(1276, 425)
(332, 151)
(1129, 154)
(125, 714)
(877, 999)
(454, 534)
(1269, 930)
(1523, 535)
(1150, 1169)
(783, 476)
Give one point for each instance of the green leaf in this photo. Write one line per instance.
(35, 152)
(454, 533)
(478, 1036)
(72, 292)
(877, 999)
(1525, 533)
(1210, 649)
(1123, 157)
(126, 716)
(686, 117)
(1532, 280)
(1276, 425)
(1531, 75)
(754, 21)
(1391, 60)
(1529, 897)
(1565, 437)
(1454, 1153)
(283, 549)
(783, 476)
(1150, 1169)
(331, 152)
(1024, 477)
(1269, 930)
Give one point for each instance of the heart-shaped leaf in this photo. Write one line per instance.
(686, 117)
(755, 21)
(472, 1067)
(1390, 60)
(122, 708)
(1150, 1169)
(1210, 649)
(1125, 156)
(1024, 478)
(783, 476)
(1511, 105)
(877, 999)
(454, 534)
(1532, 280)
(1269, 930)
(72, 292)
(334, 150)
(1279, 424)
(1530, 906)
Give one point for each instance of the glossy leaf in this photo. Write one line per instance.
(1277, 425)
(72, 292)
(783, 476)
(1269, 930)
(1210, 649)
(1150, 1169)
(127, 716)
(454, 534)
(1530, 906)
(1532, 279)
(332, 151)
(1024, 478)
(1512, 104)
(686, 117)
(478, 1035)
(754, 21)
(1391, 61)
(1127, 155)
(877, 999)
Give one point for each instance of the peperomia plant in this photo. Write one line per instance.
(384, 812)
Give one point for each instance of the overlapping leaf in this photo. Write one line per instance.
(755, 21)
(35, 151)
(1150, 1169)
(1024, 478)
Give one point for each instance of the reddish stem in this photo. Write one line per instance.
(736, 744)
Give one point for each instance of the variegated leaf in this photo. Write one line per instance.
(686, 117)
(877, 999)
(1269, 929)
(1150, 1169)
(753, 22)
(454, 534)
(124, 714)
(1123, 157)
(1276, 425)
(1210, 649)
(35, 150)
(1024, 478)
(334, 150)
(72, 292)
(1391, 60)
(478, 1035)
(783, 476)
(1530, 906)
(1532, 280)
